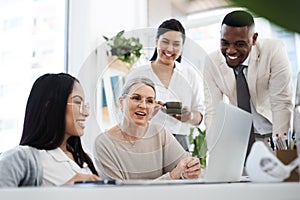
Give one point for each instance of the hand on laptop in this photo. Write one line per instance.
(187, 168)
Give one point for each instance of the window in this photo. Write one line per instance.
(32, 43)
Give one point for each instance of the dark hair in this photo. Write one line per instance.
(44, 122)
(238, 18)
(131, 82)
(169, 25)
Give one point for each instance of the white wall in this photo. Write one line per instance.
(157, 11)
(91, 19)
(160, 10)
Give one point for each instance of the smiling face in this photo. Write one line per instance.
(138, 104)
(236, 43)
(169, 47)
(76, 112)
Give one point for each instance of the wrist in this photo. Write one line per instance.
(171, 175)
(174, 175)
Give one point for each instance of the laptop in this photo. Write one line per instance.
(227, 147)
(229, 136)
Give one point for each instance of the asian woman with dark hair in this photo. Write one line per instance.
(53, 124)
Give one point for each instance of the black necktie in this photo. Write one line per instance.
(243, 100)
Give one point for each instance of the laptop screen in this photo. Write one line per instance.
(228, 143)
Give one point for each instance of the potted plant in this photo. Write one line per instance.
(127, 50)
(199, 143)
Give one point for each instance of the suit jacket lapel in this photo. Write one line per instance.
(229, 79)
(252, 72)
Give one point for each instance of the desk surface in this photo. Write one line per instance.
(244, 191)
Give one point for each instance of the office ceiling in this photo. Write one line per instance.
(193, 6)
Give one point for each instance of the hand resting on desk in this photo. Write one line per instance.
(188, 168)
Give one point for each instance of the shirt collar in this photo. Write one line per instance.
(178, 66)
(246, 62)
(58, 155)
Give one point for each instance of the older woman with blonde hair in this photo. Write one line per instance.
(138, 149)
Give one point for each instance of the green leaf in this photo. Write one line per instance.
(119, 35)
(105, 38)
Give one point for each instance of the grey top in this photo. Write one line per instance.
(151, 157)
(20, 166)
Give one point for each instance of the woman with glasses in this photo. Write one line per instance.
(50, 150)
(137, 149)
(174, 81)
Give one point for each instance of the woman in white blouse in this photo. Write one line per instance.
(173, 81)
(54, 122)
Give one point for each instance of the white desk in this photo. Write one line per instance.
(244, 191)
